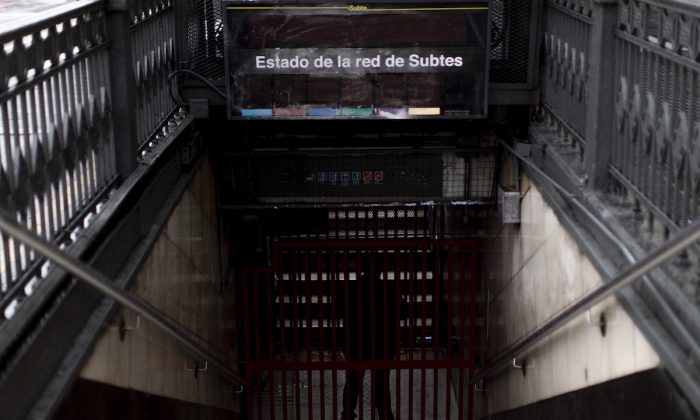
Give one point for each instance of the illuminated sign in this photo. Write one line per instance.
(357, 60)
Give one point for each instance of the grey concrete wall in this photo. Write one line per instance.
(181, 278)
(533, 270)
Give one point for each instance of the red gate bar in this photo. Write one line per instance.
(329, 313)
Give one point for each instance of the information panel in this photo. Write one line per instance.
(373, 60)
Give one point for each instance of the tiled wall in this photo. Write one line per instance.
(181, 278)
(532, 271)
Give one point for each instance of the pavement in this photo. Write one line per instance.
(12, 11)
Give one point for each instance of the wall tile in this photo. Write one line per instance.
(516, 248)
(554, 359)
(529, 297)
(538, 269)
(620, 339)
(506, 256)
(578, 357)
(497, 316)
(554, 272)
(537, 220)
(179, 226)
(645, 357)
(200, 244)
(590, 278)
(525, 233)
(518, 315)
(550, 221)
(599, 349)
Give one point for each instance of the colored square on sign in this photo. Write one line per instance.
(378, 176)
(356, 112)
(323, 177)
(323, 112)
(423, 111)
(257, 112)
(333, 177)
(356, 177)
(345, 177)
(290, 112)
(391, 112)
(367, 176)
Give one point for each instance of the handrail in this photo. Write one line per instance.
(684, 239)
(687, 237)
(102, 284)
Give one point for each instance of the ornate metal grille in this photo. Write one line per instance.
(510, 41)
(56, 145)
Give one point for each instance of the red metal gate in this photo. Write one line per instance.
(381, 329)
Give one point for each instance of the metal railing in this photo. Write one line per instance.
(621, 91)
(83, 272)
(152, 37)
(73, 125)
(656, 138)
(638, 120)
(56, 148)
(567, 27)
(687, 237)
(628, 142)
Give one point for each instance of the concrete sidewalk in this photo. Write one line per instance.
(15, 10)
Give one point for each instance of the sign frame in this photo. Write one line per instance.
(234, 112)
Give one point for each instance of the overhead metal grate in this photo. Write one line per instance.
(386, 177)
(205, 37)
(510, 40)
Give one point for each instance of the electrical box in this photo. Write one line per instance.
(508, 205)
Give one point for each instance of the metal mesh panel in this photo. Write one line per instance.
(390, 222)
(481, 177)
(510, 41)
(362, 178)
(205, 37)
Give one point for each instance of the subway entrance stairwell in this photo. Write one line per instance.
(304, 209)
(360, 306)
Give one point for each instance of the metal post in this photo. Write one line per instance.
(123, 90)
(103, 284)
(601, 88)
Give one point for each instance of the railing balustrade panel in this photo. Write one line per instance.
(56, 148)
(657, 130)
(567, 26)
(153, 36)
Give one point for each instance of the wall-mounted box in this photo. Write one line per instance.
(508, 205)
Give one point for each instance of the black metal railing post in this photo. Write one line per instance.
(181, 20)
(122, 81)
(144, 35)
(601, 88)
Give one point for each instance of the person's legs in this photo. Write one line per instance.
(382, 396)
(351, 393)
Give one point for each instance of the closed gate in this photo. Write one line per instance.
(371, 329)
